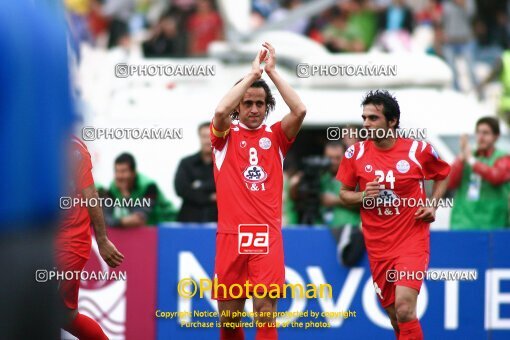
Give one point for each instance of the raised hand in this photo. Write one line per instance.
(255, 65)
(269, 59)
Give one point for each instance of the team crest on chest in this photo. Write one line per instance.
(403, 166)
(368, 168)
(265, 143)
(243, 144)
(254, 174)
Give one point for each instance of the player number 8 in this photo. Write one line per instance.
(254, 160)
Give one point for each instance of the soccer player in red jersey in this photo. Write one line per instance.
(73, 242)
(248, 160)
(396, 236)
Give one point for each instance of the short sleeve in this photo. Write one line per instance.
(281, 138)
(433, 167)
(347, 170)
(218, 138)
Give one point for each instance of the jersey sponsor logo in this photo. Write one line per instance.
(243, 144)
(368, 168)
(254, 174)
(403, 166)
(253, 239)
(388, 195)
(265, 143)
(350, 152)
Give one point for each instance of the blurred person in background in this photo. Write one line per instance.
(334, 214)
(361, 21)
(204, 26)
(482, 180)
(281, 13)
(37, 117)
(119, 12)
(395, 27)
(501, 69)
(74, 243)
(163, 42)
(338, 36)
(458, 38)
(129, 183)
(344, 222)
(194, 183)
(265, 7)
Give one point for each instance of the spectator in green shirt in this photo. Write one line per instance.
(482, 180)
(129, 183)
(335, 215)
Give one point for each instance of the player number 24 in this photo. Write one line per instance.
(389, 178)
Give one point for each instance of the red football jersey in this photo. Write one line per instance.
(248, 171)
(74, 232)
(402, 169)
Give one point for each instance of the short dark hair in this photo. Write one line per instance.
(391, 110)
(270, 101)
(492, 122)
(126, 158)
(334, 144)
(203, 125)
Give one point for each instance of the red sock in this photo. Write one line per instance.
(85, 328)
(266, 333)
(231, 333)
(410, 330)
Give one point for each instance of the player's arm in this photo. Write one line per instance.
(428, 214)
(437, 170)
(291, 123)
(106, 248)
(230, 101)
(349, 197)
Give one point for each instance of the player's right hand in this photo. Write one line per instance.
(109, 253)
(372, 188)
(255, 65)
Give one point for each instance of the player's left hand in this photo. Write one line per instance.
(270, 58)
(109, 253)
(426, 214)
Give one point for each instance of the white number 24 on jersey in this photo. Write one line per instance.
(389, 178)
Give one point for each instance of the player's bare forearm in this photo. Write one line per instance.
(350, 198)
(291, 123)
(95, 213)
(438, 189)
(230, 101)
(107, 250)
(233, 97)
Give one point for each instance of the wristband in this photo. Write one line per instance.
(363, 195)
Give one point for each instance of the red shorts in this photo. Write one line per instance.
(400, 271)
(68, 289)
(231, 268)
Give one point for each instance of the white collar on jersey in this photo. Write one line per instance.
(247, 128)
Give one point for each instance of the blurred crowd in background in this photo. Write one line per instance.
(475, 30)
